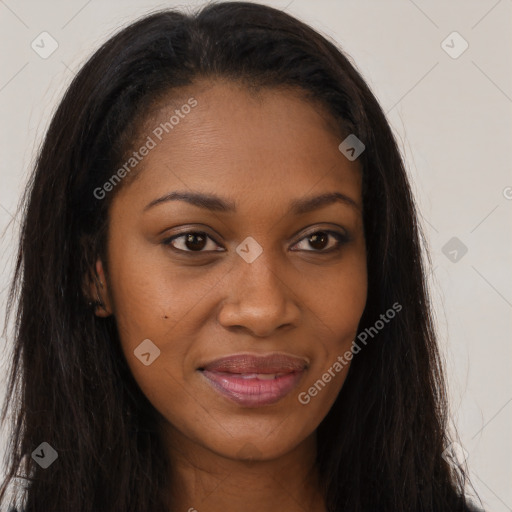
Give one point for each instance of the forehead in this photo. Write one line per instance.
(243, 144)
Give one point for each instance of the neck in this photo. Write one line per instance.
(203, 480)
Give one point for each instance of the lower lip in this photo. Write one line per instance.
(252, 392)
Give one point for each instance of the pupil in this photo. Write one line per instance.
(318, 237)
(191, 241)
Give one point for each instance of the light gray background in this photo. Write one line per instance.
(453, 121)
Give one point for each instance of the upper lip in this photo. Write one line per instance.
(254, 363)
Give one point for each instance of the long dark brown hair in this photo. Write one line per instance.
(380, 448)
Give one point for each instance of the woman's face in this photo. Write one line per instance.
(269, 278)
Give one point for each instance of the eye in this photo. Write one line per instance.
(191, 241)
(319, 240)
(197, 242)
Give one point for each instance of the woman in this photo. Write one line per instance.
(222, 299)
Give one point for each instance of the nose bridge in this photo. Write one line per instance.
(259, 278)
(258, 269)
(259, 297)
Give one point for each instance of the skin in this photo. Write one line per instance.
(260, 151)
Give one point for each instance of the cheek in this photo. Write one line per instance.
(165, 305)
(338, 304)
(339, 300)
(151, 298)
(152, 312)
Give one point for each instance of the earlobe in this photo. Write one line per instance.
(98, 292)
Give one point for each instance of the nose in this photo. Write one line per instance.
(259, 298)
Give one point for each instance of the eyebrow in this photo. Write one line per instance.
(215, 203)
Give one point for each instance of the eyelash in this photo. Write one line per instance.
(341, 239)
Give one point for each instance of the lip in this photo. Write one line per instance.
(246, 378)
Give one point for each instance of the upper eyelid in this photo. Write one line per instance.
(330, 231)
(312, 228)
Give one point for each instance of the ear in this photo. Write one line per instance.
(98, 291)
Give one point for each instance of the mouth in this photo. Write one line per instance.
(253, 380)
